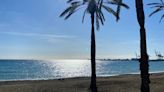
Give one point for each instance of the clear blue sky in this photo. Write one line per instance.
(32, 29)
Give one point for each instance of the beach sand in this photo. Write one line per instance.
(123, 83)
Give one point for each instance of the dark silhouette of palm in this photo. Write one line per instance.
(144, 64)
(94, 8)
(158, 7)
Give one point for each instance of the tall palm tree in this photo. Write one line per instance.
(94, 8)
(144, 64)
(158, 7)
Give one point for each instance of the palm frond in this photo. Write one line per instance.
(118, 10)
(110, 10)
(75, 2)
(100, 16)
(97, 22)
(158, 7)
(100, 3)
(70, 10)
(65, 11)
(70, 13)
(157, 10)
(162, 1)
(124, 5)
(119, 3)
(69, 1)
(161, 18)
(99, 12)
(153, 4)
(94, 7)
(84, 15)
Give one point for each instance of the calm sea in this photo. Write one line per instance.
(42, 69)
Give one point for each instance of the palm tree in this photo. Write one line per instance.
(158, 7)
(144, 64)
(94, 8)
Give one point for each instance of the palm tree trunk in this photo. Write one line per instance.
(144, 64)
(93, 55)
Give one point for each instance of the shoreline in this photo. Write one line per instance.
(114, 75)
(121, 83)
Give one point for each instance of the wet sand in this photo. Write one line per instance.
(122, 83)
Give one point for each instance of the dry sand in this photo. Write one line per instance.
(123, 83)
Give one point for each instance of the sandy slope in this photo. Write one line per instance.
(124, 83)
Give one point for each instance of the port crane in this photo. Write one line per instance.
(137, 56)
(159, 55)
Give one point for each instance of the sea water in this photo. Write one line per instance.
(54, 69)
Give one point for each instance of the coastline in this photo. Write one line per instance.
(121, 83)
(60, 78)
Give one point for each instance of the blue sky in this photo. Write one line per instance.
(32, 29)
